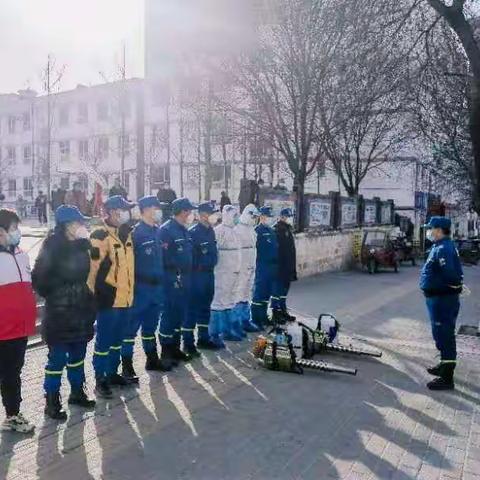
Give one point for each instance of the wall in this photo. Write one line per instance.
(324, 252)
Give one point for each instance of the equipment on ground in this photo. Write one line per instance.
(277, 352)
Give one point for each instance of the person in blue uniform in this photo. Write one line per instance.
(266, 267)
(178, 260)
(148, 293)
(287, 263)
(205, 257)
(441, 282)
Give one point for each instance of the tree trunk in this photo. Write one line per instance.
(475, 135)
(299, 189)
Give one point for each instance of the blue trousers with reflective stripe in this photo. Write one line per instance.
(443, 312)
(174, 317)
(262, 291)
(111, 325)
(201, 297)
(280, 293)
(61, 355)
(147, 316)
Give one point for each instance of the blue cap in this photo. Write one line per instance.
(207, 207)
(286, 212)
(181, 204)
(149, 201)
(439, 222)
(266, 210)
(117, 202)
(68, 214)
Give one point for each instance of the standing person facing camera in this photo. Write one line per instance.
(60, 276)
(17, 319)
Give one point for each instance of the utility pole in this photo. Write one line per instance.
(123, 72)
(208, 141)
(140, 117)
(181, 148)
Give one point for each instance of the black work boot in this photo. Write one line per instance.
(207, 345)
(436, 371)
(192, 352)
(445, 381)
(155, 364)
(102, 389)
(278, 317)
(78, 396)
(179, 355)
(116, 380)
(288, 317)
(128, 372)
(167, 356)
(53, 407)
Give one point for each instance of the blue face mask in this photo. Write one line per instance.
(14, 238)
(236, 220)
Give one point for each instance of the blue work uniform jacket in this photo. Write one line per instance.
(267, 247)
(442, 273)
(177, 252)
(149, 271)
(205, 251)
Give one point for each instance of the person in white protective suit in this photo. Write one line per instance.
(248, 242)
(227, 272)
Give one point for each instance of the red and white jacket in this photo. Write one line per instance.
(18, 310)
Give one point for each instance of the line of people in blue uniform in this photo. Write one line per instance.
(187, 282)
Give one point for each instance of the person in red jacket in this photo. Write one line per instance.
(17, 319)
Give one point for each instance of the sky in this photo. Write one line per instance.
(84, 36)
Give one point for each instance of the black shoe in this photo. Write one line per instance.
(79, 397)
(436, 371)
(192, 352)
(441, 384)
(102, 389)
(207, 345)
(167, 356)
(116, 380)
(155, 364)
(53, 407)
(177, 354)
(128, 372)
(288, 317)
(278, 318)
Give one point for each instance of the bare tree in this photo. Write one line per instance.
(281, 83)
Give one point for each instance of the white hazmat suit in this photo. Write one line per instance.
(227, 274)
(248, 242)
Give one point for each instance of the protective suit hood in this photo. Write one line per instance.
(248, 217)
(229, 213)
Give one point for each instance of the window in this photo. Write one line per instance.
(27, 154)
(11, 155)
(102, 148)
(63, 120)
(28, 187)
(218, 173)
(159, 174)
(126, 143)
(65, 183)
(12, 188)
(82, 112)
(83, 149)
(102, 111)
(64, 150)
(26, 121)
(11, 124)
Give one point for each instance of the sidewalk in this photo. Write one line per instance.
(222, 417)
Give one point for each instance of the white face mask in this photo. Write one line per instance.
(124, 217)
(429, 236)
(213, 219)
(190, 219)
(14, 238)
(82, 233)
(158, 216)
(289, 220)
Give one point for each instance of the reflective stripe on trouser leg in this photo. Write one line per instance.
(57, 359)
(76, 364)
(261, 294)
(103, 341)
(201, 296)
(131, 330)
(171, 319)
(122, 317)
(150, 322)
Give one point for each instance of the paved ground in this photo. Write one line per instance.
(224, 418)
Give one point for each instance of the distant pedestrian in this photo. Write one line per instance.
(442, 281)
(224, 200)
(17, 319)
(60, 276)
(280, 186)
(166, 195)
(41, 206)
(21, 206)
(118, 189)
(58, 197)
(77, 198)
